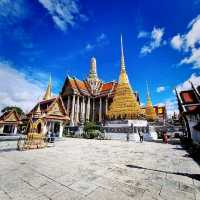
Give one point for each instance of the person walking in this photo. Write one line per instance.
(165, 138)
(127, 137)
(141, 136)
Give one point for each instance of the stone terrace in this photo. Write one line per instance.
(98, 170)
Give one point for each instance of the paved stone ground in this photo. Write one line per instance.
(98, 170)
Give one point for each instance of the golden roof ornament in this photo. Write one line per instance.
(47, 95)
(38, 109)
(149, 110)
(125, 104)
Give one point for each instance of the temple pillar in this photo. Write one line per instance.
(61, 129)
(93, 109)
(72, 112)
(88, 109)
(52, 126)
(68, 104)
(100, 109)
(15, 130)
(83, 108)
(77, 110)
(106, 106)
(45, 129)
(1, 129)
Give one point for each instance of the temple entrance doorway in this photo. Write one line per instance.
(54, 127)
(39, 128)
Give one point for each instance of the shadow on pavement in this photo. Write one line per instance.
(173, 141)
(8, 150)
(193, 176)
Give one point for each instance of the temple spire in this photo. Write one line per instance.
(93, 69)
(150, 112)
(124, 104)
(123, 78)
(148, 94)
(48, 90)
(122, 54)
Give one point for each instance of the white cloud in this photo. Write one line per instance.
(194, 58)
(18, 89)
(145, 50)
(171, 106)
(171, 103)
(186, 85)
(177, 42)
(64, 12)
(156, 40)
(89, 47)
(193, 36)
(160, 89)
(189, 43)
(11, 11)
(143, 34)
(101, 37)
(101, 40)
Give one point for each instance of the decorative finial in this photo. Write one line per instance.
(148, 93)
(50, 78)
(122, 54)
(48, 91)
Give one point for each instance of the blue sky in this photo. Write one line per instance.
(39, 37)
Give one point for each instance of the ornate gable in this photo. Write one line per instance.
(56, 109)
(10, 116)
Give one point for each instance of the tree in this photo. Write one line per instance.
(10, 108)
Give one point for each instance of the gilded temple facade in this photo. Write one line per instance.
(94, 100)
(48, 115)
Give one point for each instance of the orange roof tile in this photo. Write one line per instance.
(107, 86)
(77, 84)
(72, 83)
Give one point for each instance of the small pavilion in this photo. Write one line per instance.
(9, 122)
(48, 115)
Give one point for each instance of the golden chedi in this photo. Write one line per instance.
(125, 104)
(149, 110)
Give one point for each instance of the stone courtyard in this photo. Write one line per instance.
(98, 170)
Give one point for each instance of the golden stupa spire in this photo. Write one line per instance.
(125, 104)
(123, 78)
(150, 112)
(48, 90)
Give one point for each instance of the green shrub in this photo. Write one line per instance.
(91, 130)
